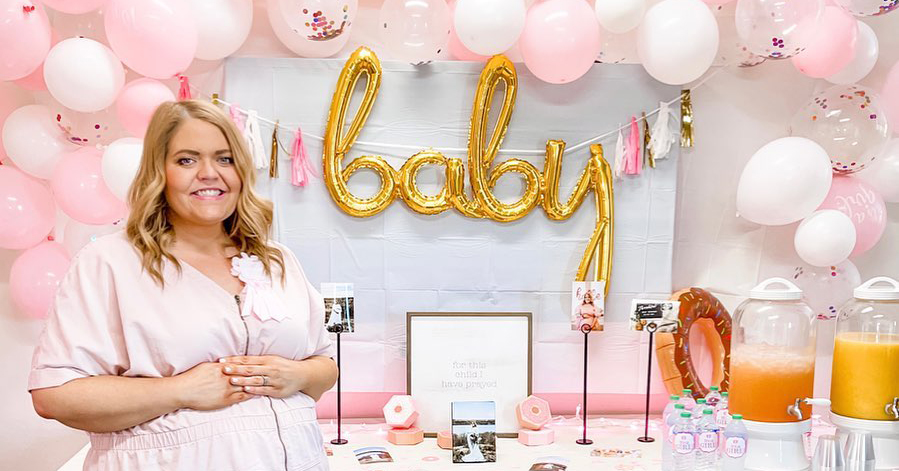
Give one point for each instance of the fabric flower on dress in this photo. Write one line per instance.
(260, 297)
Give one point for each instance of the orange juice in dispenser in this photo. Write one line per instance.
(772, 375)
(865, 379)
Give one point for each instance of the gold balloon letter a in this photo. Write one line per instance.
(541, 188)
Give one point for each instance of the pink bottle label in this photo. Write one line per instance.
(708, 441)
(722, 418)
(735, 447)
(684, 443)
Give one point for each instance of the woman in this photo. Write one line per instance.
(191, 341)
(587, 312)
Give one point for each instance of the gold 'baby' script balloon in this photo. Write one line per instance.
(542, 188)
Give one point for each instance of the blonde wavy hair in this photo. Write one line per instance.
(149, 228)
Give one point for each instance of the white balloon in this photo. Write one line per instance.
(883, 173)
(825, 238)
(120, 163)
(222, 26)
(489, 27)
(677, 41)
(784, 182)
(293, 23)
(33, 141)
(83, 74)
(866, 52)
(620, 16)
(78, 234)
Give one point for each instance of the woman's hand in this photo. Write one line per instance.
(206, 387)
(267, 375)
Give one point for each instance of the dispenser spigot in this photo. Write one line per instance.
(796, 411)
(892, 408)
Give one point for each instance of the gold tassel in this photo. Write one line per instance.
(647, 152)
(686, 119)
(273, 165)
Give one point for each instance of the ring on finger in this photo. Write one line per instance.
(265, 380)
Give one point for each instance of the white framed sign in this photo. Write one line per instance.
(466, 356)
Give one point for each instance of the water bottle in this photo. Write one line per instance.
(734, 453)
(697, 411)
(683, 443)
(707, 442)
(687, 400)
(713, 397)
(669, 409)
(722, 415)
(670, 421)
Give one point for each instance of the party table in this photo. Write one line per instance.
(611, 434)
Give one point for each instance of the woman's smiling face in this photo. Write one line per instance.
(202, 184)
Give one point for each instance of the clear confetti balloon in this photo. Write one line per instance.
(848, 122)
(827, 288)
(415, 31)
(777, 29)
(868, 7)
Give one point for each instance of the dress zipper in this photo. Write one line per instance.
(246, 351)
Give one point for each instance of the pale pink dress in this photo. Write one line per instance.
(110, 318)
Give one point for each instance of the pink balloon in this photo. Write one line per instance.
(137, 101)
(560, 40)
(25, 36)
(456, 48)
(863, 205)
(80, 191)
(74, 7)
(156, 38)
(890, 97)
(33, 82)
(35, 276)
(832, 44)
(26, 209)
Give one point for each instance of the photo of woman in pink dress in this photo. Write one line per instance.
(191, 340)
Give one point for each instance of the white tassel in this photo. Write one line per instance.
(619, 155)
(663, 137)
(253, 135)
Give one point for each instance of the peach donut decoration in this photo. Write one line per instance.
(698, 309)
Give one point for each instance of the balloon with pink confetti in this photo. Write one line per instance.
(827, 288)
(313, 28)
(848, 122)
(776, 29)
(868, 7)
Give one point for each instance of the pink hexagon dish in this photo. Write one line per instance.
(401, 436)
(536, 437)
(399, 412)
(533, 413)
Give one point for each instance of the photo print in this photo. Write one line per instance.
(373, 454)
(474, 432)
(660, 314)
(339, 307)
(587, 305)
(550, 463)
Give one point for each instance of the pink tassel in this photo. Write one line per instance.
(236, 117)
(184, 91)
(633, 157)
(301, 170)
